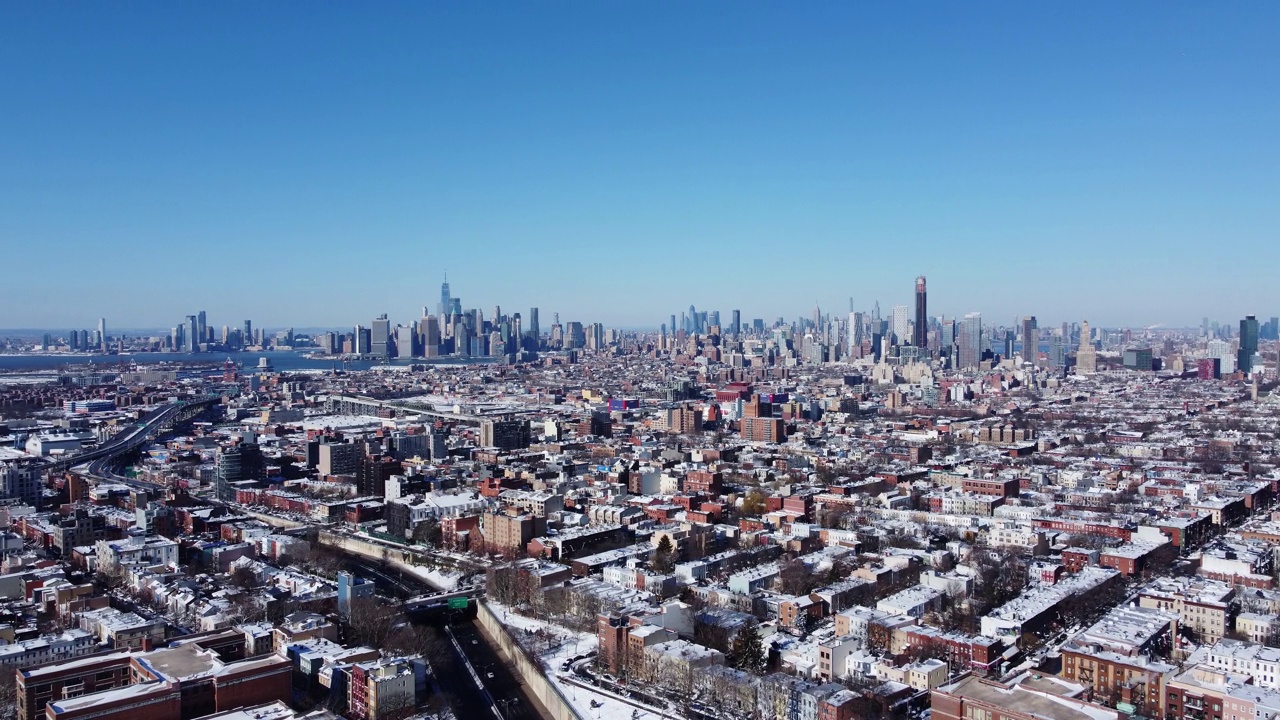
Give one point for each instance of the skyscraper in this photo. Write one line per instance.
(192, 339)
(737, 323)
(203, 327)
(379, 335)
(1248, 343)
(576, 337)
(854, 334)
(1086, 356)
(1030, 339)
(430, 327)
(446, 300)
(535, 332)
(899, 325)
(248, 333)
(920, 334)
(102, 330)
(970, 341)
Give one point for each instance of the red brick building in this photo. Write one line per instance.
(703, 482)
(174, 683)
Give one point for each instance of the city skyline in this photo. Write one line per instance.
(1027, 160)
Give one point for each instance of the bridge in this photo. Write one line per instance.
(100, 459)
(360, 405)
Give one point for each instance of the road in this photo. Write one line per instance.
(454, 679)
(101, 459)
(501, 683)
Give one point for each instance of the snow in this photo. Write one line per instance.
(562, 645)
(336, 422)
(440, 579)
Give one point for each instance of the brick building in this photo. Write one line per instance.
(175, 683)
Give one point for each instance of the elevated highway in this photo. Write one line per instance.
(360, 405)
(98, 462)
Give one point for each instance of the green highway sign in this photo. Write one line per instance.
(458, 603)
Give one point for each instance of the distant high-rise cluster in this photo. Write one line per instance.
(452, 331)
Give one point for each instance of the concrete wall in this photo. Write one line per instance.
(400, 557)
(534, 676)
(274, 521)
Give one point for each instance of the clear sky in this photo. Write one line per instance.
(315, 164)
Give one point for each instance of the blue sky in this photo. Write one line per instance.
(317, 164)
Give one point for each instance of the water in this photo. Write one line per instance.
(281, 361)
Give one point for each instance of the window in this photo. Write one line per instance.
(976, 713)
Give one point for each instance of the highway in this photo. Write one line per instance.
(99, 461)
(477, 682)
(501, 686)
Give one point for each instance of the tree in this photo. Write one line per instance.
(747, 653)
(664, 557)
(711, 635)
(839, 570)
(8, 692)
(753, 504)
(795, 579)
(427, 532)
(243, 577)
(372, 621)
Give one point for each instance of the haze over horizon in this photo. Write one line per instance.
(617, 163)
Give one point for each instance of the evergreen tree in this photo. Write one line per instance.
(747, 653)
(664, 558)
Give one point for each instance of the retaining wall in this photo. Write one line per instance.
(534, 676)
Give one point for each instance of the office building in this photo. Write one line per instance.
(736, 327)
(102, 330)
(192, 334)
(1137, 359)
(1248, 343)
(446, 300)
(1030, 339)
(407, 341)
(380, 336)
(921, 330)
(430, 329)
(202, 327)
(575, 336)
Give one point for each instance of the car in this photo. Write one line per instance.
(475, 642)
(489, 675)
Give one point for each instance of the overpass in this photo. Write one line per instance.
(100, 459)
(361, 405)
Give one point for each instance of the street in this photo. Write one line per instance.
(507, 691)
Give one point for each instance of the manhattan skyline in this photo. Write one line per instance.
(319, 169)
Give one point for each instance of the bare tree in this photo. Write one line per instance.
(372, 621)
(795, 579)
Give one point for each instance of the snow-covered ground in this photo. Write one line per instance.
(441, 579)
(321, 422)
(562, 645)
